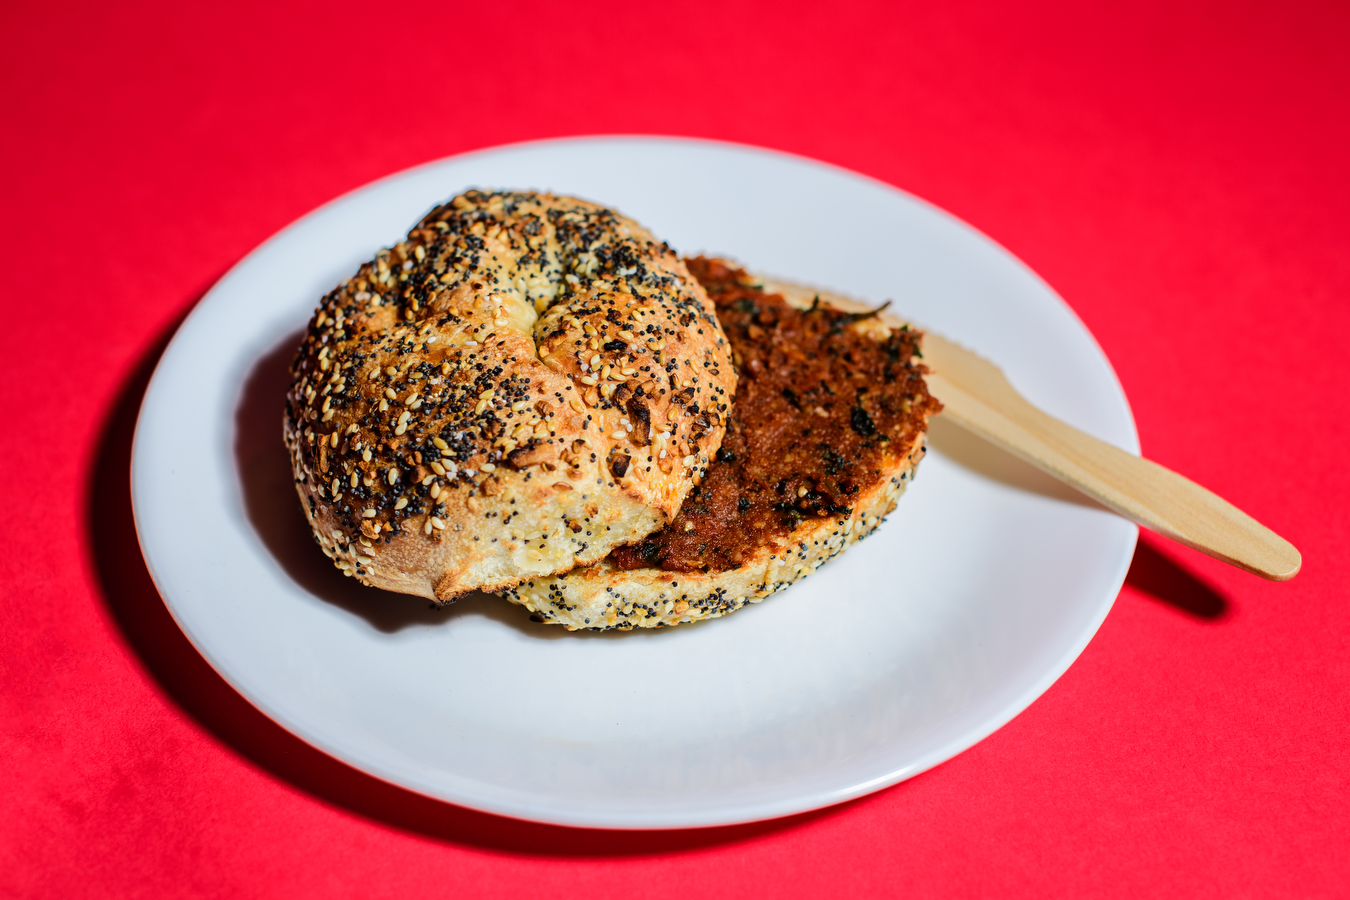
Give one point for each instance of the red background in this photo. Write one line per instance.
(1176, 170)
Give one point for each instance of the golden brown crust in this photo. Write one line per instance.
(829, 423)
(524, 383)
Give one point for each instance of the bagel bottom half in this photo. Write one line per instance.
(827, 427)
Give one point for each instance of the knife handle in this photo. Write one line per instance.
(977, 396)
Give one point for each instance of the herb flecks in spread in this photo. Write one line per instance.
(822, 408)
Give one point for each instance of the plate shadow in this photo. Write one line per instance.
(186, 678)
(1152, 571)
(970, 451)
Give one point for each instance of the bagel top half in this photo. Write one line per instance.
(521, 385)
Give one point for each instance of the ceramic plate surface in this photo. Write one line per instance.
(975, 595)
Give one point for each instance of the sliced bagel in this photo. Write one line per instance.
(482, 403)
(828, 425)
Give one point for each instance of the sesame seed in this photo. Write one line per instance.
(393, 476)
(437, 468)
(368, 512)
(401, 502)
(438, 524)
(489, 467)
(440, 444)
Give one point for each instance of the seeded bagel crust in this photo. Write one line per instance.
(601, 597)
(524, 383)
(604, 596)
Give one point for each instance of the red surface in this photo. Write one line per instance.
(1177, 171)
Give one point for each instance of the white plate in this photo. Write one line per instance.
(970, 601)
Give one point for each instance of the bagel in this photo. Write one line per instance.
(828, 425)
(521, 385)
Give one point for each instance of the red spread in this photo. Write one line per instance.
(821, 412)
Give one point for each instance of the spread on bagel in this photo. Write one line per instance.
(830, 416)
(523, 384)
(819, 407)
